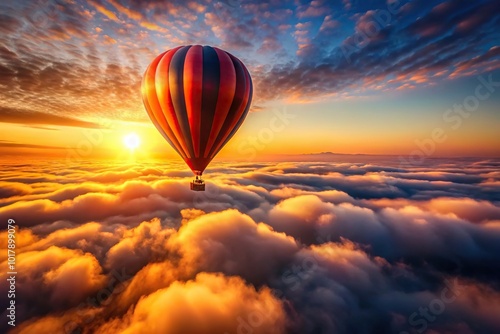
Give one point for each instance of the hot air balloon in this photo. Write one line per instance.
(197, 97)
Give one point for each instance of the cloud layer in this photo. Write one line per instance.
(324, 247)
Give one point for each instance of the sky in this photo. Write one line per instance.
(351, 77)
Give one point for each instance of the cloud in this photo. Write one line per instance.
(407, 233)
(100, 205)
(104, 10)
(315, 8)
(103, 49)
(369, 51)
(469, 209)
(139, 246)
(20, 116)
(339, 288)
(218, 242)
(53, 279)
(275, 246)
(208, 304)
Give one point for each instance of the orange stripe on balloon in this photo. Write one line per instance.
(227, 88)
(165, 134)
(165, 100)
(193, 85)
(146, 89)
(153, 107)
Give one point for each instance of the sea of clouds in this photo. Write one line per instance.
(288, 247)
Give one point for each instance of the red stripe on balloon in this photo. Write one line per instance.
(165, 100)
(234, 114)
(227, 89)
(193, 86)
(239, 113)
(153, 107)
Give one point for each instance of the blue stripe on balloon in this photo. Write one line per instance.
(210, 93)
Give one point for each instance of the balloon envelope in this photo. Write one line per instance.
(197, 97)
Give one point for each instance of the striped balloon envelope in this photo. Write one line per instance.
(197, 97)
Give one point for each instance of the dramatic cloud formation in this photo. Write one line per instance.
(323, 247)
(301, 49)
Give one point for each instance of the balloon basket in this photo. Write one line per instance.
(198, 184)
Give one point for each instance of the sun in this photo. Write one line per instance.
(131, 141)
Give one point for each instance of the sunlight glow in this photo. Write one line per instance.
(131, 141)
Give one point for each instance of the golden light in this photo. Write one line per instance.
(131, 141)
